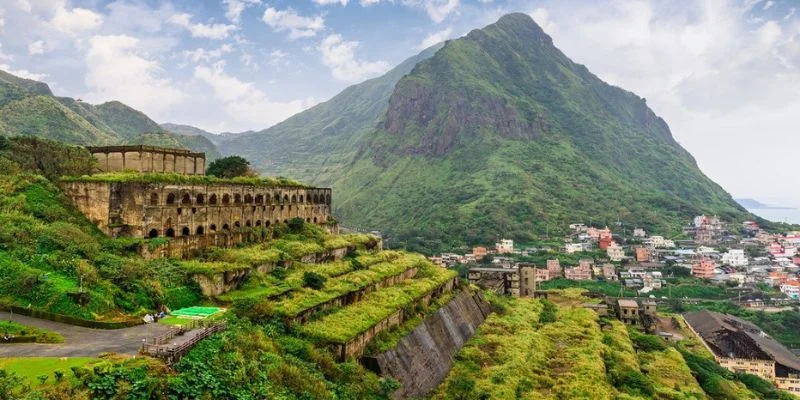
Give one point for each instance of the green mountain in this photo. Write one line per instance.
(188, 130)
(497, 134)
(317, 144)
(28, 108)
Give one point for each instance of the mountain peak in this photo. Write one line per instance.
(519, 26)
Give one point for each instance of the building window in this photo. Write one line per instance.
(213, 228)
(266, 224)
(201, 199)
(258, 223)
(316, 199)
(294, 199)
(185, 231)
(200, 231)
(226, 199)
(248, 198)
(170, 232)
(237, 224)
(237, 199)
(301, 198)
(226, 227)
(153, 233)
(248, 224)
(315, 220)
(212, 199)
(267, 198)
(186, 199)
(260, 199)
(171, 198)
(154, 199)
(286, 198)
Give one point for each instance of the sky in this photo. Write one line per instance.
(723, 74)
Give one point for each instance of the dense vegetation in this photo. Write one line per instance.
(229, 167)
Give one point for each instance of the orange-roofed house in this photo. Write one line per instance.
(703, 268)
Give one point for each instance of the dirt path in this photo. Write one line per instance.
(79, 341)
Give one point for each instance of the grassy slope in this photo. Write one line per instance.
(44, 117)
(30, 368)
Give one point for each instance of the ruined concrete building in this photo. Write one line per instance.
(198, 211)
(741, 346)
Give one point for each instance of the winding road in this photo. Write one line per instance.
(79, 341)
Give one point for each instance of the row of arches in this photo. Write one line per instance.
(200, 199)
(200, 229)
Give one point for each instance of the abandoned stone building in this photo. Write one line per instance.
(203, 208)
(148, 159)
(741, 346)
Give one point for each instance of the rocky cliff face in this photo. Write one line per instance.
(421, 360)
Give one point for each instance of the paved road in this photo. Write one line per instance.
(79, 341)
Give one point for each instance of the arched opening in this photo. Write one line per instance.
(185, 231)
(237, 199)
(212, 199)
(277, 198)
(248, 224)
(328, 199)
(170, 232)
(154, 199)
(267, 198)
(200, 231)
(266, 224)
(308, 219)
(316, 199)
(294, 199)
(186, 199)
(301, 198)
(286, 198)
(315, 220)
(201, 199)
(226, 227)
(248, 198)
(258, 223)
(171, 198)
(237, 224)
(260, 199)
(180, 211)
(226, 199)
(153, 233)
(213, 228)
(286, 221)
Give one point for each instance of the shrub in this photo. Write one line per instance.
(548, 314)
(314, 280)
(296, 225)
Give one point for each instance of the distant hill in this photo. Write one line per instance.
(28, 108)
(494, 134)
(752, 204)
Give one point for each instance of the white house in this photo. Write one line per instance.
(639, 233)
(570, 248)
(791, 290)
(735, 258)
(615, 252)
(505, 246)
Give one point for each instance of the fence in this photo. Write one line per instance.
(159, 346)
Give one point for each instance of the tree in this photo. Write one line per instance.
(229, 167)
(314, 280)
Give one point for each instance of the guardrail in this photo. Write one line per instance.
(159, 346)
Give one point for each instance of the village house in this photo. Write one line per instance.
(579, 273)
(642, 254)
(542, 275)
(504, 246)
(639, 233)
(610, 272)
(703, 268)
(571, 248)
(791, 288)
(735, 258)
(479, 252)
(615, 252)
(553, 269)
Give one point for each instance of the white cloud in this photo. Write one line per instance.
(288, 20)
(234, 8)
(22, 73)
(208, 31)
(327, 2)
(116, 70)
(36, 48)
(769, 5)
(244, 101)
(201, 54)
(339, 56)
(435, 37)
(542, 18)
(438, 10)
(75, 20)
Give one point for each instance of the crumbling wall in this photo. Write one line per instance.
(422, 359)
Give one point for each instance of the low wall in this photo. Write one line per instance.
(423, 358)
(326, 256)
(66, 319)
(189, 246)
(222, 282)
(355, 347)
(352, 297)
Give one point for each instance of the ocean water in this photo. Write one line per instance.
(791, 216)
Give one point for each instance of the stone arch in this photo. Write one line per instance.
(200, 231)
(171, 198)
(267, 198)
(315, 220)
(153, 199)
(170, 232)
(294, 198)
(225, 227)
(226, 199)
(301, 198)
(153, 233)
(259, 199)
(186, 199)
(201, 199)
(327, 199)
(308, 219)
(286, 221)
(266, 224)
(213, 227)
(212, 199)
(185, 231)
(237, 198)
(258, 222)
(248, 224)
(248, 198)
(286, 198)
(237, 224)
